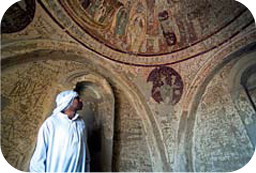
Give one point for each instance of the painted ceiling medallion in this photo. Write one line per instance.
(18, 16)
(149, 32)
(167, 85)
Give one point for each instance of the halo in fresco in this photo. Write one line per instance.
(167, 85)
(149, 32)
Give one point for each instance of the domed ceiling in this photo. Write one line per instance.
(150, 32)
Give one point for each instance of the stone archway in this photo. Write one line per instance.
(57, 71)
(243, 88)
(98, 114)
(196, 117)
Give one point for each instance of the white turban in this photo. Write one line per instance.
(64, 100)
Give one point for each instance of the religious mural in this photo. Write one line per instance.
(134, 44)
(136, 32)
(92, 15)
(157, 27)
(99, 10)
(121, 22)
(18, 16)
(167, 85)
(166, 27)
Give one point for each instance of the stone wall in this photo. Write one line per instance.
(28, 93)
(169, 96)
(220, 133)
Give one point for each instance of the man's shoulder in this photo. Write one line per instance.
(51, 120)
(51, 117)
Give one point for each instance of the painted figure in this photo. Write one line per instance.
(167, 28)
(167, 85)
(122, 20)
(101, 10)
(136, 32)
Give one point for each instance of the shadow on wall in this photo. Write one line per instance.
(244, 93)
(94, 122)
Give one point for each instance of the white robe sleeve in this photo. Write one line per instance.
(38, 160)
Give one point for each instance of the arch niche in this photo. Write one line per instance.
(98, 113)
(216, 129)
(243, 92)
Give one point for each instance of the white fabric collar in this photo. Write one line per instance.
(65, 116)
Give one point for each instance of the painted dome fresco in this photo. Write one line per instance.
(150, 32)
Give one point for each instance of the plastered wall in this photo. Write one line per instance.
(175, 104)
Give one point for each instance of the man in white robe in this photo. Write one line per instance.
(62, 141)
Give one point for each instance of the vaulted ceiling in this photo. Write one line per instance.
(142, 32)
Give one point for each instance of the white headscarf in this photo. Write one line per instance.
(64, 100)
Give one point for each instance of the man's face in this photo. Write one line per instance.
(77, 103)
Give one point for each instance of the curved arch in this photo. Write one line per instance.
(240, 72)
(24, 52)
(195, 92)
(239, 75)
(101, 123)
(220, 57)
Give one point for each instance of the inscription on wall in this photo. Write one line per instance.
(28, 93)
(221, 142)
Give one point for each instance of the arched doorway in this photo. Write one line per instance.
(214, 113)
(223, 118)
(243, 92)
(98, 113)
